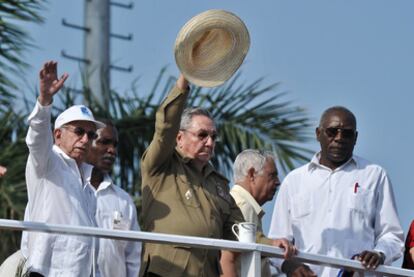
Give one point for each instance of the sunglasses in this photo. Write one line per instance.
(80, 132)
(333, 132)
(203, 135)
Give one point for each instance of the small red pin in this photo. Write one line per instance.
(356, 187)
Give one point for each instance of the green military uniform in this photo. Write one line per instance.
(178, 199)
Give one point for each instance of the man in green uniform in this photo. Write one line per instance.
(183, 194)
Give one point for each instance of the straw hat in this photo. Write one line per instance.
(210, 47)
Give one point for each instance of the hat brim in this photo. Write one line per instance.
(98, 124)
(210, 47)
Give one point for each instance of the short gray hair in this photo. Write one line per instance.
(250, 158)
(188, 114)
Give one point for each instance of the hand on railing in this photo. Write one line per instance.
(371, 259)
(289, 248)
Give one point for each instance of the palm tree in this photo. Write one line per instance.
(247, 116)
(14, 41)
(13, 197)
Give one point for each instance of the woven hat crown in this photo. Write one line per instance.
(210, 47)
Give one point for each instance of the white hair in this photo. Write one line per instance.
(250, 158)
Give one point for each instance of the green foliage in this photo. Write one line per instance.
(14, 41)
(247, 116)
(13, 198)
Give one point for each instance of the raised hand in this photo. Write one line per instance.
(49, 82)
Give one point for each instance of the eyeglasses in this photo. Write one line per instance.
(80, 132)
(203, 135)
(333, 131)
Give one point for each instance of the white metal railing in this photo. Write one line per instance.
(251, 252)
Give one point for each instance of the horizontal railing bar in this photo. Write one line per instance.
(194, 242)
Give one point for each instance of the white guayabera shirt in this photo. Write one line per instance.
(58, 195)
(116, 210)
(338, 213)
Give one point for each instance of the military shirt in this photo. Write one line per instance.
(179, 199)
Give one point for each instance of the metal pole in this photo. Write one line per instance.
(250, 264)
(205, 243)
(97, 49)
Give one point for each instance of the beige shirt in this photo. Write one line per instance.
(252, 212)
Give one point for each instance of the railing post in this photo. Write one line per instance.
(250, 264)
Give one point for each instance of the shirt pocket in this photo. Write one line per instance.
(69, 246)
(361, 201)
(107, 220)
(302, 206)
(173, 261)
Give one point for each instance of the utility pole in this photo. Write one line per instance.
(96, 60)
(97, 49)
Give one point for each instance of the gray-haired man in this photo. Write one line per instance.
(56, 182)
(256, 181)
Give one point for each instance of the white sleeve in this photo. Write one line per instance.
(133, 248)
(388, 232)
(280, 226)
(39, 137)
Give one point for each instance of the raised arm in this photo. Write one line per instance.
(167, 124)
(39, 138)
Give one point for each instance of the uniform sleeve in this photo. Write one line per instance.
(39, 138)
(388, 232)
(133, 248)
(167, 124)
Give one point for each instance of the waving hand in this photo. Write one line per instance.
(49, 82)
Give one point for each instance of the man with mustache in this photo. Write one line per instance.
(183, 194)
(339, 204)
(115, 209)
(56, 178)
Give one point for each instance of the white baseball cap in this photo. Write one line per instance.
(77, 113)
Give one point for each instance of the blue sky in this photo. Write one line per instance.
(354, 53)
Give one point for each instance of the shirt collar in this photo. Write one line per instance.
(105, 184)
(246, 195)
(314, 163)
(84, 168)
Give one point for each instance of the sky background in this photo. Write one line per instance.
(354, 53)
